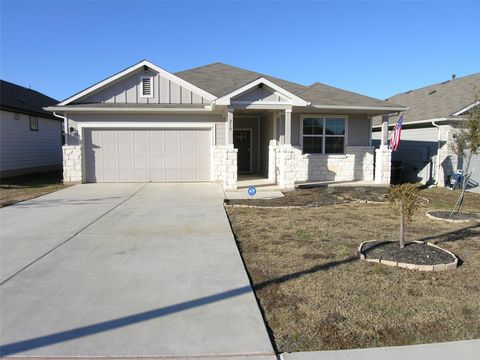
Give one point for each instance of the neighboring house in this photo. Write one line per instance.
(30, 137)
(214, 122)
(425, 153)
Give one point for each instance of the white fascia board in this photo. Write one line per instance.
(355, 107)
(429, 121)
(133, 68)
(461, 111)
(295, 100)
(140, 124)
(74, 109)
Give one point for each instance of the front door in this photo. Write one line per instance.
(241, 141)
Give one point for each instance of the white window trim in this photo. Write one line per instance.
(151, 87)
(322, 116)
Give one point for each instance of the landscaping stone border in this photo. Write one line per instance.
(454, 221)
(436, 268)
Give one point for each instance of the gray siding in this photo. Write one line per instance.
(220, 134)
(266, 134)
(128, 91)
(417, 153)
(21, 148)
(475, 168)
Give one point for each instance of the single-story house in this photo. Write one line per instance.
(214, 122)
(30, 137)
(436, 112)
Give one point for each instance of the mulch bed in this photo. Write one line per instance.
(455, 216)
(413, 253)
(321, 196)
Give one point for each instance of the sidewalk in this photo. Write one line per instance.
(464, 350)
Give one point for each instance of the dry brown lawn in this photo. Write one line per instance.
(21, 188)
(316, 294)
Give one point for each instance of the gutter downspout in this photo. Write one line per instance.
(438, 152)
(65, 125)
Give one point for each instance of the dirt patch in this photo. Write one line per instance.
(317, 295)
(321, 196)
(21, 188)
(413, 253)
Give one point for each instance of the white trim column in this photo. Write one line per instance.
(384, 137)
(229, 127)
(288, 126)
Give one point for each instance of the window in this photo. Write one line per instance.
(33, 123)
(323, 135)
(147, 87)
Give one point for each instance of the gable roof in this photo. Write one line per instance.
(220, 79)
(130, 70)
(437, 101)
(295, 100)
(17, 98)
(216, 81)
(322, 94)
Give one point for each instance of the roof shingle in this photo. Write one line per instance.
(220, 79)
(16, 97)
(438, 100)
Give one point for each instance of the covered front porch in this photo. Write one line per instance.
(283, 140)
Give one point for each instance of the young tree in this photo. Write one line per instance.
(466, 144)
(404, 198)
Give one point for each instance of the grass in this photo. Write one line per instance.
(21, 188)
(317, 295)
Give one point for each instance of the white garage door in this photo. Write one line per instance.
(127, 155)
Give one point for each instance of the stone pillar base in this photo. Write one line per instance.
(286, 167)
(72, 164)
(225, 166)
(383, 165)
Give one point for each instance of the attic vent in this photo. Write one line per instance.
(432, 92)
(147, 86)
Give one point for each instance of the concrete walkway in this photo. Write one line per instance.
(126, 270)
(464, 350)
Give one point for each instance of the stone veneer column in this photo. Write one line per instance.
(383, 165)
(225, 166)
(72, 164)
(272, 161)
(285, 166)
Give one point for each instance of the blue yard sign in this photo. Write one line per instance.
(252, 190)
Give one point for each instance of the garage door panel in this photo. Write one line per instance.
(132, 155)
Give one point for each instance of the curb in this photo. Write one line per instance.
(432, 268)
(430, 216)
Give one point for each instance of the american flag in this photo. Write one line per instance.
(395, 135)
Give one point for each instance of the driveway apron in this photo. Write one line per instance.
(126, 270)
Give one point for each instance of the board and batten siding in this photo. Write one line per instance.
(23, 149)
(128, 91)
(259, 94)
(154, 119)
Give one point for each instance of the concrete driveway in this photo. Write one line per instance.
(126, 270)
